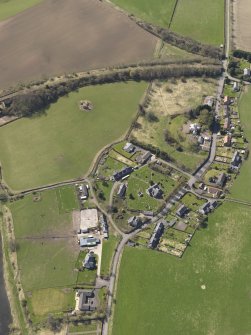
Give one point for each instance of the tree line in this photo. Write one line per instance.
(37, 101)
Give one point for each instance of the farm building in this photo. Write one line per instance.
(121, 191)
(123, 173)
(88, 219)
(129, 147)
(236, 87)
(104, 225)
(246, 72)
(134, 221)
(144, 158)
(83, 190)
(201, 140)
(182, 210)
(209, 101)
(155, 191)
(158, 231)
(87, 300)
(89, 261)
(88, 242)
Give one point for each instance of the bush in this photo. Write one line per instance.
(151, 117)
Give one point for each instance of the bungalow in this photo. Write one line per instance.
(158, 231)
(205, 208)
(104, 226)
(236, 160)
(122, 190)
(215, 192)
(182, 210)
(123, 173)
(221, 179)
(88, 242)
(129, 147)
(134, 221)
(144, 158)
(155, 191)
(246, 72)
(227, 141)
(89, 261)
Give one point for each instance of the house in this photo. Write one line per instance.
(201, 140)
(213, 204)
(236, 160)
(209, 101)
(123, 173)
(236, 87)
(227, 141)
(155, 191)
(88, 220)
(221, 180)
(214, 192)
(205, 208)
(158, 231)
(226, 123)
(83, 190)
(134, 221)
(227, 100)
(182, 210)
(87, 301)
(89, 261)
(104, 226)
(88, 242)
(194, 128)
(121, 191)
(144, 158)
(148, 213)
(246, 72)
(129, 147)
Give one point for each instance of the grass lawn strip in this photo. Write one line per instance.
(108, 248)
(12, 7)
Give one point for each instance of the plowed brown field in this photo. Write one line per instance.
(62, 36)
(242, 31)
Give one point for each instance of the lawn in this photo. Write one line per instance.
(200, 19)
(192, 202)
(205, 292)
(158, 12)
(85, 277)
(108, 248)
(10, 8)
(241, 189)
(62, 143)
(45, 217)
(47, 263)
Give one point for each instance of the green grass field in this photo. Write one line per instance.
(107, 254)
(241, 189)
(62, 143)
(165, 295)
(200, 19)
(10, 8)
(158, 12)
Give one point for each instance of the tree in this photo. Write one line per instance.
(151, 117)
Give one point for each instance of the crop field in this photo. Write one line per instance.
(169, 101)
(200, 19)
(242, 12)
(158, 12)
(192, 295)
(62, 143)
(39, 48)
(10, 8)
(241, 189)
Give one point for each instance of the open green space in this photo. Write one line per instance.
(10, 8)
(200, 19)
(61, 143)
(47, 216)
(158, 12)
(241, 189)
(108, 247)
(198, 294)
(192, 202)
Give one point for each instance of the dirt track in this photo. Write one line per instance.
(62, 36)
(242, 31)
